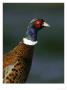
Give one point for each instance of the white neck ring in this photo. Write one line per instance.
(29, 42)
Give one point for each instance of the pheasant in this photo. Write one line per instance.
(17, 62)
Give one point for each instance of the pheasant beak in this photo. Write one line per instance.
(45, 24)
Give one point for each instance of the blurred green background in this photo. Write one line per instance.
(48, 59)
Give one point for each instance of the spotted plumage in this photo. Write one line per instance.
(18, 63)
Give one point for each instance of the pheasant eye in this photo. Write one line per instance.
(38, 24)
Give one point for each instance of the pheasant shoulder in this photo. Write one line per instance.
(17, 64)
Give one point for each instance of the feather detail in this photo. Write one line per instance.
(17, 64)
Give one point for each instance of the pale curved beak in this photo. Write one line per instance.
(46, 24)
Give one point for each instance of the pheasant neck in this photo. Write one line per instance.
(31, 34)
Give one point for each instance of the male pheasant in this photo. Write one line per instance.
(17, 62)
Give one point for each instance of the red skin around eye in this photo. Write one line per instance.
(38, 24)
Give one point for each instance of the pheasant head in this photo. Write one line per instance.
(33, 28)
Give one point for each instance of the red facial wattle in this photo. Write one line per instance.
(38, 24)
